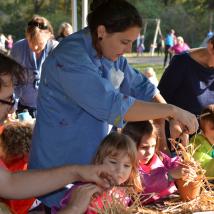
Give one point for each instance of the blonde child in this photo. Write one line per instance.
(151, 75)
(15, 141)
(157, 170)
(204, 141)
(118, 152)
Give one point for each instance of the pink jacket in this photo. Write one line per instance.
(155, 180)
(95, 203)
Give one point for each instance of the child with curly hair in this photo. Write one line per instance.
(15, 141)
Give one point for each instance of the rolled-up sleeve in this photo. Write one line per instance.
(95, 94)
(136, 84)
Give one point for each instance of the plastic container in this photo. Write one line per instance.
(24, 116)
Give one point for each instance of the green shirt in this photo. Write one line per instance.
(204, 153)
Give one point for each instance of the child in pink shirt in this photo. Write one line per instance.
(179, 47)
(157, 170)
(118, 152)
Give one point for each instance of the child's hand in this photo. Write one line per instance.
(81, 198)
(182, 172)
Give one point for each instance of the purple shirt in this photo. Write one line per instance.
(154, 178)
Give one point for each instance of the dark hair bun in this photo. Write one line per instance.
(97, 3)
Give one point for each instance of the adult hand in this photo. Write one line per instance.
(177, 132)
(80, 199)
(188, 121)
(99, 174)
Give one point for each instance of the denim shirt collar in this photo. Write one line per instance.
(98, 61)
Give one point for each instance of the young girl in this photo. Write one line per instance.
(204, 141)
(15, 141)
(119, 152)
(156, 169)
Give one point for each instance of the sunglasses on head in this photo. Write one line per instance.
(10, 102)
(41, 26)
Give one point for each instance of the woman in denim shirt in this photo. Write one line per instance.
(87, 84)
(31, 53)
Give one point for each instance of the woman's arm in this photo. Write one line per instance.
(162, 145)
(39, 182)
(146, 111)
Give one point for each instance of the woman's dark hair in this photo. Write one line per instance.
(11, 68)
(115, 15)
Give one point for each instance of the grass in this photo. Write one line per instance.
(157, 68)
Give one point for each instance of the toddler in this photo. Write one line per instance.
(157, 170)
(15, 141)
(204, 141)
(119, 152)
(151, 75)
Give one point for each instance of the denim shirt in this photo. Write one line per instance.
(21, 52)
(78, 97)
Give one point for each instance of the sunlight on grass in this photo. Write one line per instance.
(157, 68)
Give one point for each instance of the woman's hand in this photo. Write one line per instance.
(188, 121)
(177, 132)
(80, 199)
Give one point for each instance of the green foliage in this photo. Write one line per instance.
(190, 18)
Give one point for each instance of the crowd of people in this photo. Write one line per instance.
(72, 89)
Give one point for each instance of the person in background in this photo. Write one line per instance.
(15, 141)
(151, 75)
(160, 46)
(9, 43)
(28, 184)
(65, 29)
(179, 47)
(119, 152)
(140, 46)
(204, 141)
(157, 170)
(31, 52)
(188, 81)
(87, 84)
(2, 42)
(169, 42)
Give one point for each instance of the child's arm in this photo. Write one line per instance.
(182, 172)
(39, 182)
(80, 199)
(175, 168)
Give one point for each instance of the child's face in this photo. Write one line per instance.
(120, 165)
(209, 131)
(146, 149)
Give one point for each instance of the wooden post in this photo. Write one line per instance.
(155, 36)
(84, 12)
(74, 14)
